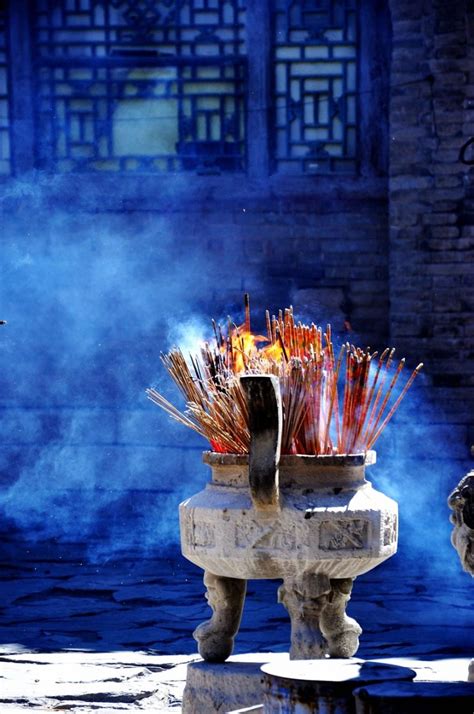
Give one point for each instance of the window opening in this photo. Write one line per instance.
(140, 85)
(5, 167)
(316, 84)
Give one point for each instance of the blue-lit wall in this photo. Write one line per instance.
(96, 282)
(93, 296)
(100, 274)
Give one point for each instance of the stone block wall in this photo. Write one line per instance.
(431, 198)
(100, 273)
(99, 269)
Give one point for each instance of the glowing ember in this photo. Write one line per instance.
(330, 405)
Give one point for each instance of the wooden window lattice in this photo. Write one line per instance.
(315, 54)
(169, 85)
(4, 99)
(140, 85)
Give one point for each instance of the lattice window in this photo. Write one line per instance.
(141, 85)
(4, 104)
(315, 49)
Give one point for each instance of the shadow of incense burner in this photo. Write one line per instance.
(461, 501)
(313, 521)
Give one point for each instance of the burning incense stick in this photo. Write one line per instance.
(392, 411)
(247, 312)
(302, 357)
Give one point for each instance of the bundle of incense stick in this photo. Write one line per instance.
(331, 405)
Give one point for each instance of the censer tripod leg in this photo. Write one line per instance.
(215, 637)
(342, 632)
(305, 598)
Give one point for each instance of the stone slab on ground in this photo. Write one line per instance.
(90, 681)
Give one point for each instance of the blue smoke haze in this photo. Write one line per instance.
(91, 300)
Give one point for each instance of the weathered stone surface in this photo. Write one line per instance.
(215, 637)
(340, 527)
(461, 501)
(330, 683)
(264, 404)
(237, 683)
(88, 681)
(331, 526)
(234, 684)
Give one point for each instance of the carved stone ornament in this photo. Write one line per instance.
(317, 609)
(461, 501)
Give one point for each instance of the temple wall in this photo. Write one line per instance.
(100, 273)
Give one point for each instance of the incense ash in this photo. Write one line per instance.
(331, 404)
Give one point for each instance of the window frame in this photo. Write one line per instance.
(373, 84)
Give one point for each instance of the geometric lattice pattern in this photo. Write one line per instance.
(141, 85)
(5, 166)
(315, 54)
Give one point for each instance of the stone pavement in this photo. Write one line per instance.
(84, 633)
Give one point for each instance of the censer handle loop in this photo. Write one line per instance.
(263, 397)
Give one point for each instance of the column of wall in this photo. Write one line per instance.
(431, 205)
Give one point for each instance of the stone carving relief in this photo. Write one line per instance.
(251, 534)
(343, 534)
(187, 528)
(204, 535)
(319, 624)
(197, 535)
(461, 502)
(389, 528)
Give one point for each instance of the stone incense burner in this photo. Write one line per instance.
(312, 521)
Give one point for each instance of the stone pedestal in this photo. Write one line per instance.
(415, 698)
(228, 686)
(237, 685)
(315, 686)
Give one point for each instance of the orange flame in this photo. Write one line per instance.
(245, 347)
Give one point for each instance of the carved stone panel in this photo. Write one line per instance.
(187, 528)
(251, 534)
(389, 528)
(204, 536)
(196, 535)
(343, 534)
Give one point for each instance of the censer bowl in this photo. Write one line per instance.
(313, 521)
(330, 520)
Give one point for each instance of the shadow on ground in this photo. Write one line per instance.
(55, 596)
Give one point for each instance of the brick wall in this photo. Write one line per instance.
(431, 206)
(97, 269)
(395, 260)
